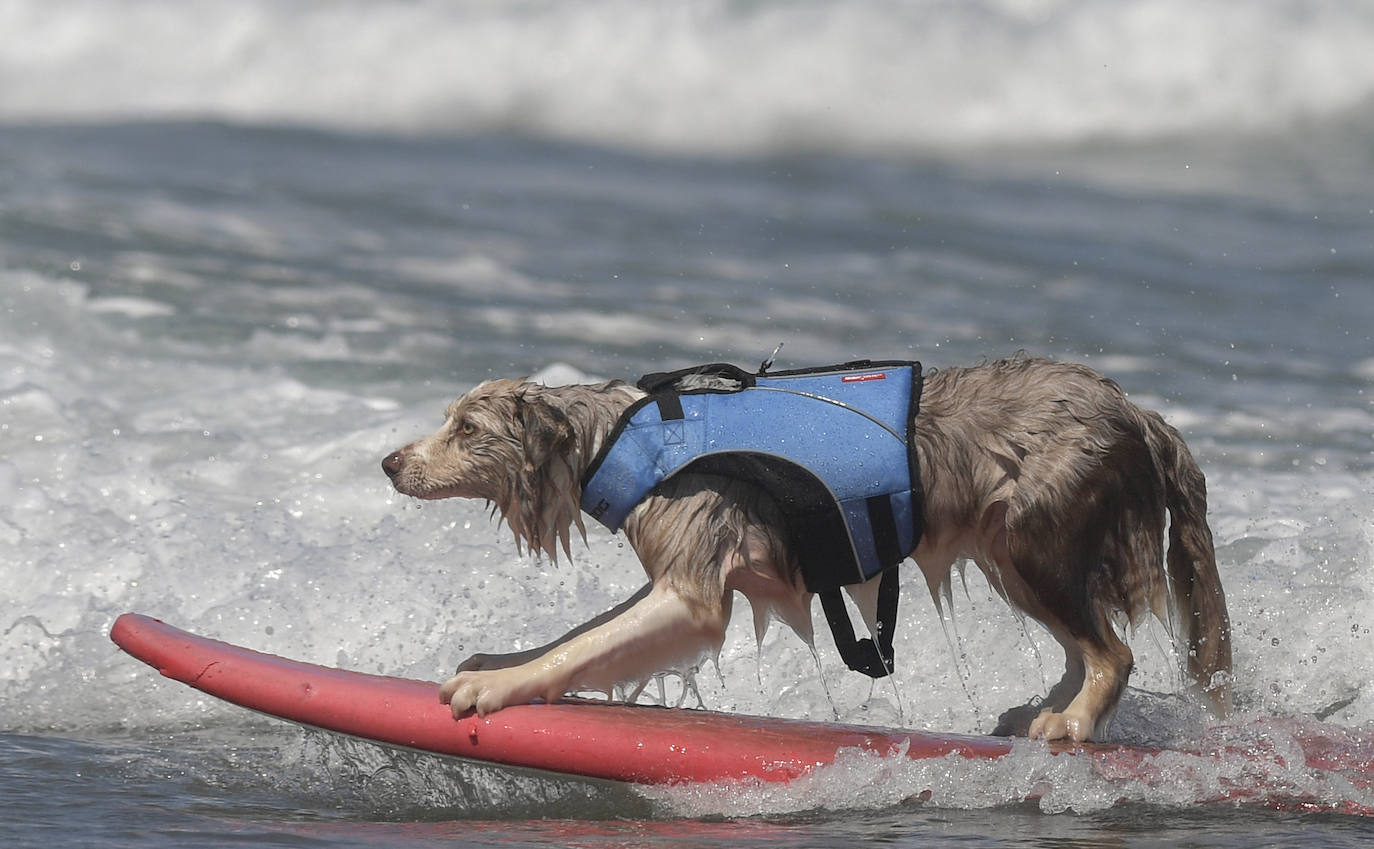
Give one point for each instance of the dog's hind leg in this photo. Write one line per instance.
(1106, 666)
(1016, 721)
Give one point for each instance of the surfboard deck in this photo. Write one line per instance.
(629, 743)
(616, 742)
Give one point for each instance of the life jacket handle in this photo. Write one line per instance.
(656, 382)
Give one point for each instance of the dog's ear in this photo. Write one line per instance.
(546, 430)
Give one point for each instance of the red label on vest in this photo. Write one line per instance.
(863, 378)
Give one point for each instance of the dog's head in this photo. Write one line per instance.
(490, 437)
(504, 442)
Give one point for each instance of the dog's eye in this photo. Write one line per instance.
(467, 428)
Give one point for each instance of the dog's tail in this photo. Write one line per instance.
(1200, 621)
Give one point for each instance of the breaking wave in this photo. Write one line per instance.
(707, 77)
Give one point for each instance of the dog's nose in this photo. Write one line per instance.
(392, 464)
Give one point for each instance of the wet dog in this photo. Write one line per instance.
(1041, 473)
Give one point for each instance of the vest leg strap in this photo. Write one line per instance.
(873, 659)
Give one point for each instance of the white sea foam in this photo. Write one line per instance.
(1246, 761)
(707, 76)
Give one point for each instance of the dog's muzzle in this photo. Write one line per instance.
(393, 463)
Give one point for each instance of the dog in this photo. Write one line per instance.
(1042, 473)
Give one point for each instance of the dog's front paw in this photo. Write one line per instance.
(486, 691)
(1058, 726)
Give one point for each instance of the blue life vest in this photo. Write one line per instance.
(832, 446)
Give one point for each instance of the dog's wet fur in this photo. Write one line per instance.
(1041, 473)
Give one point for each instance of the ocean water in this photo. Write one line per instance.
(247, 249)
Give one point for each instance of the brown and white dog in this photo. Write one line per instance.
(1041, 473)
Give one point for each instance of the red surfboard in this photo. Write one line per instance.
(627, 743)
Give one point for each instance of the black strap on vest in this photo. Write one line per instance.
(871, 656)
(669, 405)
(884, 525)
